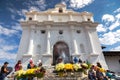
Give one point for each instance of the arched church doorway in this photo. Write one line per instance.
(61, 50)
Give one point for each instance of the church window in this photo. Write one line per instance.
(43, 31)
(88, 19)
(78, 31)
(82, 48)
(60, 31)
(60, 10)
(30, 18)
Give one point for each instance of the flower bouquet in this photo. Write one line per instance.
(60, 69)
(77, 69)
(20, 74)
(30, 73)
(84, 67)
(69, 69)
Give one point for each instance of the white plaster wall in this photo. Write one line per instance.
(60, 18)
(55, 36)
(40, 39)
(24, 42)
(77, 18)
(41, 18)
(113, 63)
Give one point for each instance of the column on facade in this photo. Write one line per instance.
(71, 18)
(95, 44)
(49, 17)
(31, 44)
(75, 48)
(35, 17)
(48, 39)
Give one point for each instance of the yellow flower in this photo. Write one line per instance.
(68, 66)
(102, 70)
(59, 67)
(30, 71)
(84, 65)
(76, 66)
(19, 73)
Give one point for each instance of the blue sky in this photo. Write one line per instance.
(106, 12)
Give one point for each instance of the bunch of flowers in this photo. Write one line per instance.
(19, 74)
(77, 67)
(84, 66)
(69, 67)
(30, 72)
(36, 72)
(102, 70)
(60, 67)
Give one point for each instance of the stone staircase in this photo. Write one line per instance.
(53, 76)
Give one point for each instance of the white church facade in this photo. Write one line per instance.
(59, 32)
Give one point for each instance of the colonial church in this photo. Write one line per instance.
(59, 32)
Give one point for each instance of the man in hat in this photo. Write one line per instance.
(4, 71)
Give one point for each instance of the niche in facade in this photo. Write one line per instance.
(30, 18)
(43, 31)
(78, 31)
(60, 31)
(88, 19)
(60, 10)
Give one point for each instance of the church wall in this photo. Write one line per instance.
(79, 38)
(39, 42)
(83, 43)
(60, 18)
(24, 42)
(77, 18)
(55, 36)
(42, 18)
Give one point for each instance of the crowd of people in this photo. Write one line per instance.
(5, 70)
(93, 73)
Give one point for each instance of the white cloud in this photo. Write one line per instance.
(111, 21)
(8, 47)
(118, 16)
(79, 3)
(115, 48)
(38, 5)
(5, 54)
(114, 25)
(108, 18)
(101, 28)
(17, 26)
(110, 38)
(116, 11)
(33, 8)
(4, 51)
(7, 32)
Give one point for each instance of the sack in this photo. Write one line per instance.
(10, 69)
